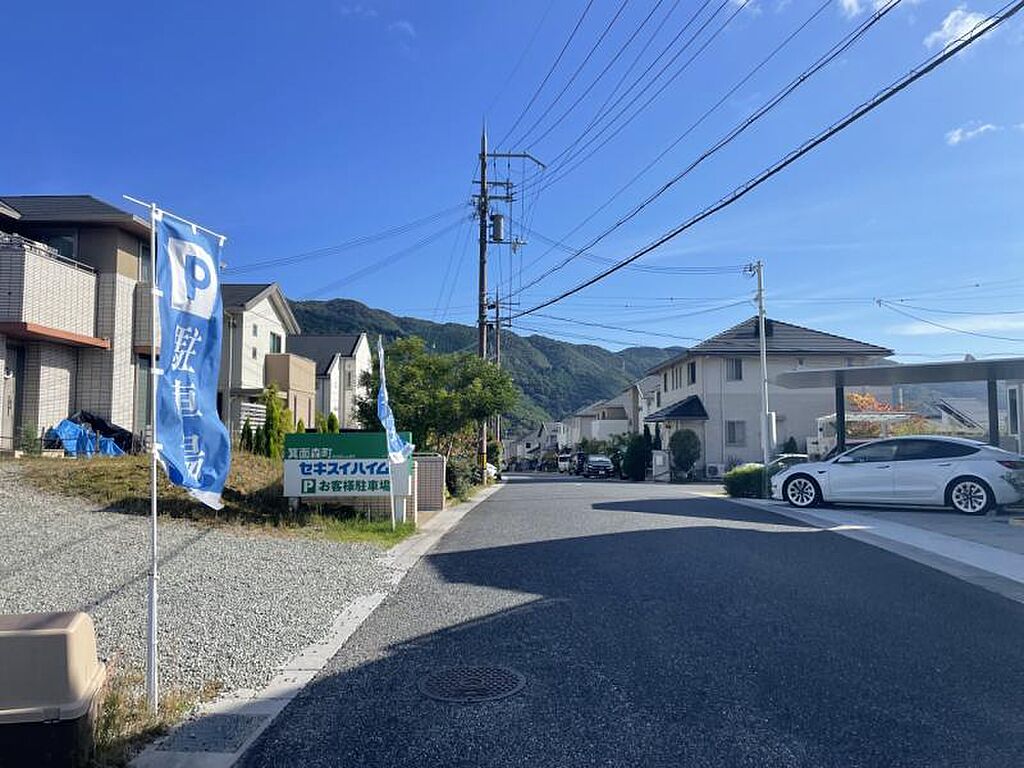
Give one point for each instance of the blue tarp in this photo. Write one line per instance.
(77, 440)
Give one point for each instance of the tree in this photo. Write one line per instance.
(277, 422)
(656, 445)
(321, 423)
(259, 443)
(245, 440)
(437, 398)
(684, 446)
(300, 428)
(332, 423)
(790, 446)
(634, 458)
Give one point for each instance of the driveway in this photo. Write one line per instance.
(656, 627)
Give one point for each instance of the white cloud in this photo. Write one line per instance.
(402, 27)
(358, 11)
(970, 323)
(960, 23)
(968, 132)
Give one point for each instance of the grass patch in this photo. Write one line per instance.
(124, 724)
(252, 497)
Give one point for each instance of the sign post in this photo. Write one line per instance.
(399, 450)
(188, 438)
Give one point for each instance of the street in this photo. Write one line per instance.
(657, 627)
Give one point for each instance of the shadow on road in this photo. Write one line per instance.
(702, 645)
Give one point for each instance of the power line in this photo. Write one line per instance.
(575, 74)
(622, 49)
(522, 56)
(945, 327)
(387, 261)
(975, 33)
(738, 8)
(543, 82)
(333, 250)
(737, 130)
(611, 327)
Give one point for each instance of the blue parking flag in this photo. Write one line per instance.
(195, 449)
(398, 449)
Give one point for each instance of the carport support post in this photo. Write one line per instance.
(840, 416)
(993, 413)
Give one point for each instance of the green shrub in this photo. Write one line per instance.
(300, 428)
(745, 482)
(30, 442)
(460, 475)
(245, 440)
(332, 422)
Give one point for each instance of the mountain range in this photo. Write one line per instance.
(556, 377)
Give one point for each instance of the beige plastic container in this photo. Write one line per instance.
(49, 678)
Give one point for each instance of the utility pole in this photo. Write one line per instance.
(483, 201)
(757, 268)
(483, 209)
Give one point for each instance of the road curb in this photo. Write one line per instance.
(258, 709)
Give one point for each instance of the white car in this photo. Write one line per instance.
(969, 476)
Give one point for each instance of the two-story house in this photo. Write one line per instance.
(257, 325)
(713, 388)
(341, 361)
(74, 273)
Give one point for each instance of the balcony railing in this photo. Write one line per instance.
(40, 287)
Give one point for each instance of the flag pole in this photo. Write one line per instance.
(152, 689)
(391, 490)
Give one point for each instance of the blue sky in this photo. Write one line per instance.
(298, 127)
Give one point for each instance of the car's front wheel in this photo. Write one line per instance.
(970, 496)
(802, 492)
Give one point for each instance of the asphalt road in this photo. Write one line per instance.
(658, 628)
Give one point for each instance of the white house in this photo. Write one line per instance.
(341, 360)
(713, 388)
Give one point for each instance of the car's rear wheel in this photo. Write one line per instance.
(970, 496)
(801, 492)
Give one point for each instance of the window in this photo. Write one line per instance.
(691, 372)
(64, 241)
(254, 353)
(918, 450)
(734, 369)
(145, 265)
(275, 343)
(1011, 394)
(881, 451)
(255, 330)
(348, 379)
(799, 361)
(664, 381)
(849, 362)
(735, 432)
(657, 399)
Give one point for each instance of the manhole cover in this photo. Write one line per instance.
(466, 685)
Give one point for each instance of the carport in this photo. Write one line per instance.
(1009, 369)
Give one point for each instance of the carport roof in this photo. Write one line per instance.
(690, 409)
(1001, 369)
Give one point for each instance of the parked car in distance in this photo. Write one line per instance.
(926, 470)
(564, 462)
(597, 465)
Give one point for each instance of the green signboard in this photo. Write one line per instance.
(340, 445)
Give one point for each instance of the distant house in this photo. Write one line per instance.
(257, 323)
(714, 387)
(341, 361)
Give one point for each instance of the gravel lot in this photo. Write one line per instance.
(234, 605)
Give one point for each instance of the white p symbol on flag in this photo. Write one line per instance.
(193, 278)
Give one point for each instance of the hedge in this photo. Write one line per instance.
(745, 481)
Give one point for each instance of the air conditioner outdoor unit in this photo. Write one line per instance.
(714, 470)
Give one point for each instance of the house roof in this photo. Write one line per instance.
(324, 349)
(72, 209)
(689, 409)
(239, 297)
(783, 339)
